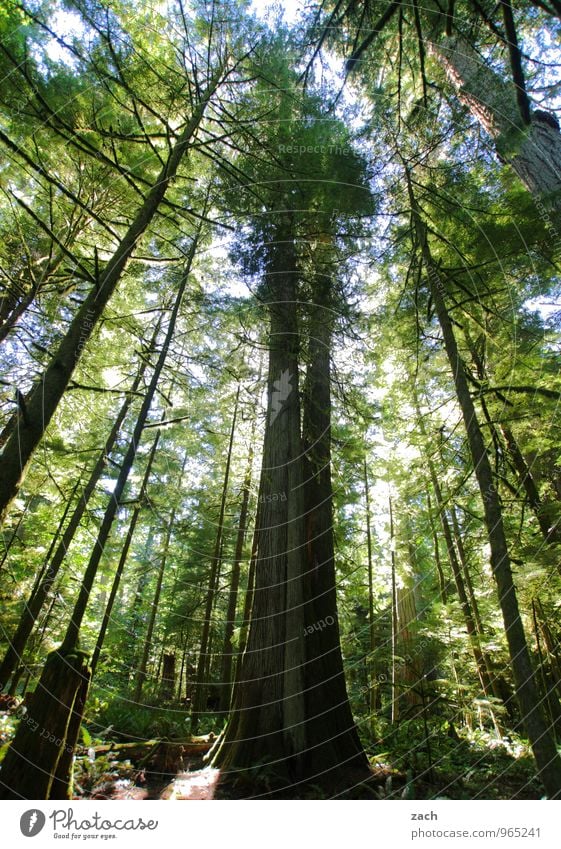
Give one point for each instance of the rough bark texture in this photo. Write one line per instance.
(291, 714)
(31, 762)
(267, 719)
(332, 736)
(533, 150)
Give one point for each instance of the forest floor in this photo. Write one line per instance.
(176, 771)
(475, 765)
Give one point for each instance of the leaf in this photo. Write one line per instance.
(3, 751)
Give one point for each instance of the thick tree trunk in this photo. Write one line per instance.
(290, 708)
(248, 600)
(543, 745)
(49, 390)
(267, 723)
(332, 736)
(409, 675)
(533, 150)
(61, 787)
(31, 762)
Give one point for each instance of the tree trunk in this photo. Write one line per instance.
(124, 555)
(551, 534)
(395, 626)
(143, 667)
(466, 570)
(332, 736)
(533, 150)
(228, 649)
(436, 547)
(549, 686)
(203, 665)
(31, 762)
(551, 645)
(61, 787)
(370, 667)
(10, 320)
(248, 600)
(43, 586)
(465, 605)
(267, 723)
(14, 535)
(543, 745)
(168, 677)
(408, 674)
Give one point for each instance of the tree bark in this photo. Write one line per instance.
(30, 764)
(533, 150)
(332, 736)
(267, 722)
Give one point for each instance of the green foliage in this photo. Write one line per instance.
(87, 121)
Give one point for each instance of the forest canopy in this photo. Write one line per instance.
(280, 449)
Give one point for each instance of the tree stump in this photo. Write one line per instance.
(31, 762)
(61, 787)
(168, 677)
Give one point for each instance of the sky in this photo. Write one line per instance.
(291, 8)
